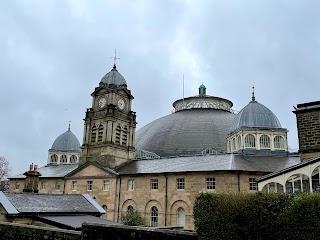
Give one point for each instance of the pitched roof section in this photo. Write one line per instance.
(81, 167)
(206, 163)
(7, 205)
(52, 171)
(51, 203)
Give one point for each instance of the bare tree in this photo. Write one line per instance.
(5, 168)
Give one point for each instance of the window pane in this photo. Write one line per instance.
(131, 185)
(180, 183)
(253, 185)
(154, 184)
(89, 185)
(106, 185)
(154, 217)
(181, 217)
(210, 183)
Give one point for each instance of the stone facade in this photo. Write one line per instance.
(308, 124)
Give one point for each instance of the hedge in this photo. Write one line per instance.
(257, 216)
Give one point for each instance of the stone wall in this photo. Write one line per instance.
(12, 231)
(95, 231)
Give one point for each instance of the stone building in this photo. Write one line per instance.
(203, 146)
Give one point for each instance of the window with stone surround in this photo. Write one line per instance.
(154, 217)
(210, 183)
(74, 185)
(180, 183)
(106, 185)
(63, 158)
(89, 185)
(53, 158)
(181, 217)
(17, 186)
(43, 185)
(93, 134)
(154, 184)
(73, 159)
(130, 185)
(100, 133)
(253, 185)
(58, 185)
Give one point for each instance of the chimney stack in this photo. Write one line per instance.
(32, 179)
(308, 124)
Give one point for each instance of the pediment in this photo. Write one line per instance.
(90, 170)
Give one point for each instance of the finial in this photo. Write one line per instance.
(69, 125)
(115, 58)
(253, 97)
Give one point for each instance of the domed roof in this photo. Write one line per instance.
(255, 115)
(114, 77)
(66, 142)
(186, 132)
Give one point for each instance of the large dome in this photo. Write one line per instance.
(66, 142)
(255, 115)
(114, 77)
(186, 132)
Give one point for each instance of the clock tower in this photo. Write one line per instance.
(109, 125)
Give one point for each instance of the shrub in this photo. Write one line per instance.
(132, 218)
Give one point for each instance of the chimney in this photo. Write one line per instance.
(32, 179)
(308, 124)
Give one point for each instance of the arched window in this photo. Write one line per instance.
(250, 141)
(279, 142)
(54, 158)
(124, 136)
(93, 134)
(130, 208)
(264, 141)
(181, 217)
(239, 142)
(233, 145)
(118, 134)
(73, 159)
(63, 159)
(100, 133)
(154, 216)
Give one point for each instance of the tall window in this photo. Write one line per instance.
(210, 183)
(43, 185)
(180, 183)
(93, 134)
(17, 186)
(279, 142)
(253, 185)
(73, 159)
(130, 184)
(63, 159)
(233, 145)
(58, 185)
(74, 185)
(264, 141)
(239, 142)
(54, 158)
(118, 134)
(154, 184)
(106, 185)
(181, 217)
(89, 185)
(124, 136)
(250, 141)
(154, 216)
(100, 133)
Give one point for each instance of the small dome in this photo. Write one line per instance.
(255, 115)
(114, 77)
(66, 142)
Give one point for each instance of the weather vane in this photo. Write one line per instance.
(115, 57)
(69, 125)
(253, 97)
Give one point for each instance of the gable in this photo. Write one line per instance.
(90, 171)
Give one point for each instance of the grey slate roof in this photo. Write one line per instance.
(186, 132)
(114, 77)
(67, 141)
(74, 222)
(50, 203)
(223, 162)
(52, 170)
(255, 115)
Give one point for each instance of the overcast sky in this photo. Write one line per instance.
(54, 53)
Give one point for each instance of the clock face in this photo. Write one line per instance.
(102, 102)
(121, 104)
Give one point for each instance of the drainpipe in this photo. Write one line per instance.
(166, 202)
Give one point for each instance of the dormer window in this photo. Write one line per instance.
(250, 141)
(264, 141)
(279, 142)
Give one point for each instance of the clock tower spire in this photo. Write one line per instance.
(109, 125)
